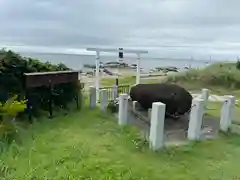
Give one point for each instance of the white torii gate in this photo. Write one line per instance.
(129, 51)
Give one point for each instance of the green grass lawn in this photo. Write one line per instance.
(127, 80)
(90, 145)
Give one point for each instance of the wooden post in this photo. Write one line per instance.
(50, 100)
(29, 106)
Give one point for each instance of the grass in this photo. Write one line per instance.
(127, 80)
(122, 80)
(90, 145)
(224, 75)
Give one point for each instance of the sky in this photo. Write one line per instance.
(166, 28)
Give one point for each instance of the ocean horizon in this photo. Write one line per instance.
(77, 61)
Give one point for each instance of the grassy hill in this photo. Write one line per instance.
(89, 144)
(225, 75)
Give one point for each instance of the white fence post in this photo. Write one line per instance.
(104, 99)
(195, 121)
(227, 113)
(156, 137)
(205, 96)
(93, 96)
(149, 113)
(134, 104)
(123, 109)
(115, 92)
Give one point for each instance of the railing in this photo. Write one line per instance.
(121, 89)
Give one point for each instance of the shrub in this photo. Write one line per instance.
(225, 75)
(12, 80)
(238, 65)
(8, 112)
(113, 106)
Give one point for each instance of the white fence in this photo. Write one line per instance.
(157, 115)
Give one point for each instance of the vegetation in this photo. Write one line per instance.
(12, 80)
(112, 106)
(91, 145)
(8, 112)
(224, 75)
(217, 77)
(238, 65)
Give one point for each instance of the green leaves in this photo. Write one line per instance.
(12, 107)
(238, 65)
(12, 80)
(8, 111)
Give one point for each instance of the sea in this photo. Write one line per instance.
(76, 62)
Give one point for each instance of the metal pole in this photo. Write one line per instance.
(116, 84)
(117, 77)
(138, 69)
(97, 79)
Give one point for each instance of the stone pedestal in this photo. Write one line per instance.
(104, 99)
(196, 118)
(156, 137)
(92, 97)
(123, 109)
(227, 113)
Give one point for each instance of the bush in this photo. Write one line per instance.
(225, 75)
(8, 112)
(113, 106)
(238, 65)
(12, 80)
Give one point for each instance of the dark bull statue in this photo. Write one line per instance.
(178, 100)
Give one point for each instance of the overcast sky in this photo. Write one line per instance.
(204, 27)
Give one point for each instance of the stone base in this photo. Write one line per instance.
(175, 130)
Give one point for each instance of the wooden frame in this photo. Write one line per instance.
(48, 79)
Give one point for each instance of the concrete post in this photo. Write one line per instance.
(149, 113)
(115, 93)
(123, 109)
(104, 99)
(92, 94)
(227, 113)
(156, 137)
(205, 96)
(195, 121)
(134, 105)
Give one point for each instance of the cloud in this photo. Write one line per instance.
(170, 27)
